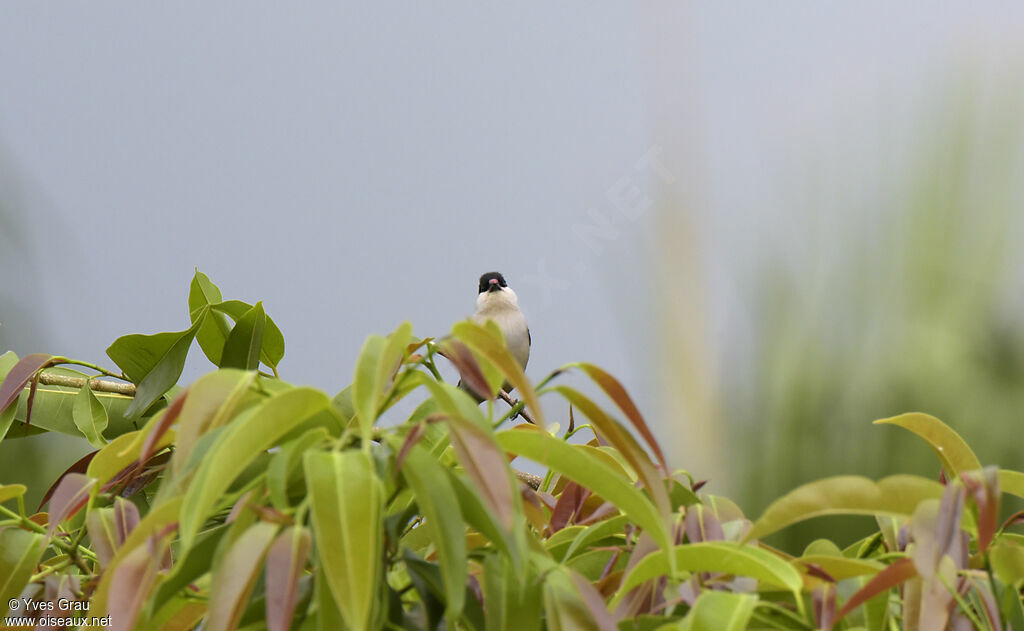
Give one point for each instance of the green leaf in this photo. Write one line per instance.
(896, 495)
(720, 611)
(564, 608)
(953, 452)
(242, 348)
(10, 491)
(1008, 562)
(7, 361)
(440, 507)
(842, 568)
(378, 362)
(20, 551)
(714, 556)
(132, 580)
(238, 445)
(272, 350)
(512, 603)
(235, 576)
(19, 375)
(617, 393)
(90, 416)
(623, 441)
(347, 501)
(1011, 482)
(288, 460)
(152, 362)
(213, 400)
(587, 471)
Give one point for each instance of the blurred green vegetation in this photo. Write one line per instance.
(914, 306)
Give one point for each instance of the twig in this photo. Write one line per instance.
(100, 385)
(512, 403)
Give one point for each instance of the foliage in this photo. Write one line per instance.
(242, 501)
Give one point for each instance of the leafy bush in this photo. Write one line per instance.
(242, 501)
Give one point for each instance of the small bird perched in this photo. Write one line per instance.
(496, 301)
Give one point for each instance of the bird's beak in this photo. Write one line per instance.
(494, 285)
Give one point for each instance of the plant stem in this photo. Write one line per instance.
(99, 369)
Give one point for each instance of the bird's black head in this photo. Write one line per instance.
(492, 281)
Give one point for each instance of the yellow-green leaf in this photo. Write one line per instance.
(238, 445)
(90, 416)
(440, 507)
(896, 495)
(581, 467)
(347, 501)
(952, 450)
(714, 556)
(235, 576)
(720, 611)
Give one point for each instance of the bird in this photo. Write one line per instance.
(497, 302)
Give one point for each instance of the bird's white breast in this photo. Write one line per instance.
(503, 309)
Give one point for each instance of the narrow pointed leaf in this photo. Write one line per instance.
(242, 348)
(623, 441)
(485, 464)
(272, 349)
(132, 580)
(20, 551)
(720, 611)
(70, 496)
(346, 498)
(440, 507)
(20, 375)
(952, 450)
(896, 495)
(714, 556)
(895, 574)
(617, 393)
(579, 466)
(152, 362)
(1011, 482)
(235, 576)
(286, 461)
(90, 416)
(285, 563)
(374, 376)
(236, 448)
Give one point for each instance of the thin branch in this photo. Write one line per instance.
(99, 385)
(504, 396)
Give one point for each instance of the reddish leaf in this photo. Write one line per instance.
(285, 562)
(126, 518)
(20, 375)
(594, 602)
(132, 581)
(702, 525)
(618, 394)
(825, 607)
(170, 415)
(568, 504)
(81, 466)
(985, 492)
(896, 574)
(413, 436)
(813, 569)
(469, 370)
(71, 495)
(236, 575)
(485, 464)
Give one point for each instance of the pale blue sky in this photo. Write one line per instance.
(358, 165)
